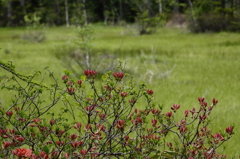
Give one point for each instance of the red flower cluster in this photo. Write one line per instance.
(175, 107)
(90, 108)
(202, 101)
(60, 143)
(77, 126)
(150, 137)
(88, 127)
(154, 122)
(70, 83)
(22, 152)
(102, 116)
(36, 120)
(120, 124)
(229, 130)
(73, 137)
(9, 113)
(133, 101)
(217, 137)
(65, 78)
(203, 117)
(186, 113)
(76, 144)
(124, 94)
(83, 152)
(183, 129)
(90, 73)
(71, 90)
(118, 75)
(150, 92)
(214, 101)
(44, 155)
(169, 114)
(52, 122)
(79, 82)
(19, 138)
(6, 144)
(155, 111)
(137, 121)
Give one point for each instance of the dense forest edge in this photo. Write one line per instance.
(197, 15)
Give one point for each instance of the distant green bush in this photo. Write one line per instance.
(211, 22)
(34, 31)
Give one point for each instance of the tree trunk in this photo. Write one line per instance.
(232, 8)
(223, 5)
(120, 12)
(149, 8)
(176, 7)
(192, 12)
(105, 15)
(66, 13)
(57, 11)
(160, 7)
(22, 3)
(9, 12)
(236, 3)
(84, 11)
(139, 5)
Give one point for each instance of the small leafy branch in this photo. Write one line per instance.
(34, 31)
(81, 54)
(112, 117)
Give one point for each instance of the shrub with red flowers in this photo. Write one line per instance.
(112, 117)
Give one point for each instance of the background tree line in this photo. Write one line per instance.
(202, 15)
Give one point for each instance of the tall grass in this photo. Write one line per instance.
(179, 66)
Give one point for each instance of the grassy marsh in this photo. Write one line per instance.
(178, 66)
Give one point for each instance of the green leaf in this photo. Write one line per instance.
(46, 149)
(172, 153)
(155, 156)
(83, 78)
(66, 72)
(104, 77)
(160, 106)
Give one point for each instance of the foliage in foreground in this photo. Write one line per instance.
(112, 117)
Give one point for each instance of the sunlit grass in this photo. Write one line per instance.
(178, 66)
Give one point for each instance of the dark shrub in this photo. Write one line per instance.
(211, 22)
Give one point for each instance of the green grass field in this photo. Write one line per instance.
(179, 66)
